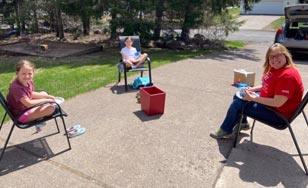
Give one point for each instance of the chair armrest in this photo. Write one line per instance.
(122, 61)
(148, 59)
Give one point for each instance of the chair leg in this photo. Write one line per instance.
(304, 114)
(238, 130)
(125, 79)
(7, 141)
(3, 120)
(298, 149)
(66, 133)
(251, 131)
(150, 74)
(119, 77)
(57, 125)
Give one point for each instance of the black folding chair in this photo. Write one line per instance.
(122, 67)
(287, 124)
(59, 113)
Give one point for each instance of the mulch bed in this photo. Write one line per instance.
(45, 48)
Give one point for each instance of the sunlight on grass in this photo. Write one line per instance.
(278, 23)
(235, 44)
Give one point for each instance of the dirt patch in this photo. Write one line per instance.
(50, 46)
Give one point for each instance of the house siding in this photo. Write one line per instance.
(270, 7)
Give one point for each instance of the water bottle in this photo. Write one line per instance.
(137, 54)
(242, 91)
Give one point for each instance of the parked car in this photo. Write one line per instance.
(7, 33)
(294, 32)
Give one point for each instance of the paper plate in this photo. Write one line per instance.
(238, 95)
(59, 100)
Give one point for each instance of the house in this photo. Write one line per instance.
(269, 7)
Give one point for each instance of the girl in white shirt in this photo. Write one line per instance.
(131, 56)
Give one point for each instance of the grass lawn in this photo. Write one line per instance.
(68, 77)
(71, 76)
(278, 23)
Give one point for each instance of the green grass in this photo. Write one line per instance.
(278, 23)
(71, 76)
(234, 44)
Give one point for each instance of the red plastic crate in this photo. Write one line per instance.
(152, 100)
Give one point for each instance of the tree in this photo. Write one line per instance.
(132, 17)
(85, 10)
(160, 7)
(187, 13)
(248, 4)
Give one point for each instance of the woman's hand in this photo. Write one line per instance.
(276, 101)
(255, 88)
(250, 95)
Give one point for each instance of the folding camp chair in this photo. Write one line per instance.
(122, 67)
(287, 124)
(59, 113)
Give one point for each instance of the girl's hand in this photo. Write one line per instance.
(51, 97)
(249, 95)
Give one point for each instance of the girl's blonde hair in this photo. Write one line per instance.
(20, 64)
(277, 47)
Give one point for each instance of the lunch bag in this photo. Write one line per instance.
(141, 82)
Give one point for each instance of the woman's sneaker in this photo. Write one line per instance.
(221, 134)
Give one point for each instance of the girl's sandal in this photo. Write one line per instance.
(73, 128)
(76, 132)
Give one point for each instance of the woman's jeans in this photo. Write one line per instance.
(255, 109)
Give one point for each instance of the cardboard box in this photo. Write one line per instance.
(152, 100)
(243, 76)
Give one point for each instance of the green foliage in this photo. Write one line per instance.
(128, 17)
(216, 26)
(131, 18)
(220, 5)
(235, 12)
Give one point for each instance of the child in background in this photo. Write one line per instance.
(21, 95)
(131, 56)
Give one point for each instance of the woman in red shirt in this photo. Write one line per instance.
(282, 88)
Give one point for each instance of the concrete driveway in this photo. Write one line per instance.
(257, 22)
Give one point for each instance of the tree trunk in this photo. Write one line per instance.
(189, 21)
(185, 34)
(59, 24)
(86, 26)
(17, 18)
(113, 26)
(158, 19)
(185, 28)
(35, 21)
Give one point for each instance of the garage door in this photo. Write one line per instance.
(272, 7)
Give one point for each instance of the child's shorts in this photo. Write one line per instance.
(25, 117)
